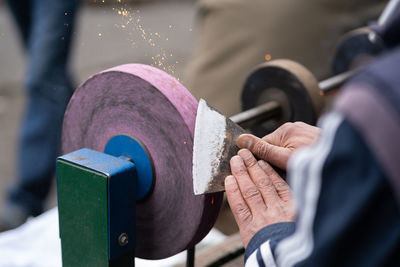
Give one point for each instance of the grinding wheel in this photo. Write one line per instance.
(288, 83)
(356, 48)
(150, 106)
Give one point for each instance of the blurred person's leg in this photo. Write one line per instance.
(21, 10)
(48, 88)
(233, 36)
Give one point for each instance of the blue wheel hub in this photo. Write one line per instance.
(126, 147)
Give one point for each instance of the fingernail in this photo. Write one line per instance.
(230, 180)
(244, 153)
(244, 141)
(236, 160)
(261, 162)
(265, 166)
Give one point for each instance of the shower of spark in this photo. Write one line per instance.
(132, 22)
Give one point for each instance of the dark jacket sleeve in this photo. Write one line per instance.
(347, 213)
(274, 232)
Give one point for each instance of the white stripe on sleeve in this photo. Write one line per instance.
(252, 260)
(305, 171)
(266, 255)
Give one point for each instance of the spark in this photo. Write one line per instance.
(132, 21)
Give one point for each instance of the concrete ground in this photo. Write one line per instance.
(103, 39)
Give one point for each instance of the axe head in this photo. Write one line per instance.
(214, 144)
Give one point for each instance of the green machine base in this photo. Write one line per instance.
(96, 200)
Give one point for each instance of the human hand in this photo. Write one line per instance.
(257, 195)
(278, 146)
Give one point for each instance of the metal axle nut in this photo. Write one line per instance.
(123, 239)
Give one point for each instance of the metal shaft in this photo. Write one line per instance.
(336, 81)
(261, 112)
(272, 108)
(389, 11)
(190, 258)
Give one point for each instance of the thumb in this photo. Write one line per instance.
(276, 155)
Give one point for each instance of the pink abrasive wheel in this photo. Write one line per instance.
(152, 107)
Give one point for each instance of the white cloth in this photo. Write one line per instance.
(37, 244)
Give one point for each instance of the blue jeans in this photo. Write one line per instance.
(46, 27)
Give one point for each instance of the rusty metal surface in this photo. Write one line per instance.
(229, 150)
(214, 146)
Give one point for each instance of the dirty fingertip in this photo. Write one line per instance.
(261, 162)
(245, 141)
(243, 151)
(245, 154)
(236, 160)
(230, 180)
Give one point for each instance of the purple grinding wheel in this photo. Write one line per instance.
(151, 106)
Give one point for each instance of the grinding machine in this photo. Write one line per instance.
(125, 186)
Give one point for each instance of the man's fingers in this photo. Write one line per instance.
(273, 138)
(249, 191)
(260, 178)
(282, 188)
(238, 206)
(276, 155)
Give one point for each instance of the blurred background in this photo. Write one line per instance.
(107, 34)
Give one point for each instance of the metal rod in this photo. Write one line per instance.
(272, 108)
(336, 81)
(260, 112)
(388, 12)
(190, 257)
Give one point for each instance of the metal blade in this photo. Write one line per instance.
(214, 144)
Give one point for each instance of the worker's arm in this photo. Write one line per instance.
(346, 209)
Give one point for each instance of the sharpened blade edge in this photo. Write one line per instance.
(209, 139)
